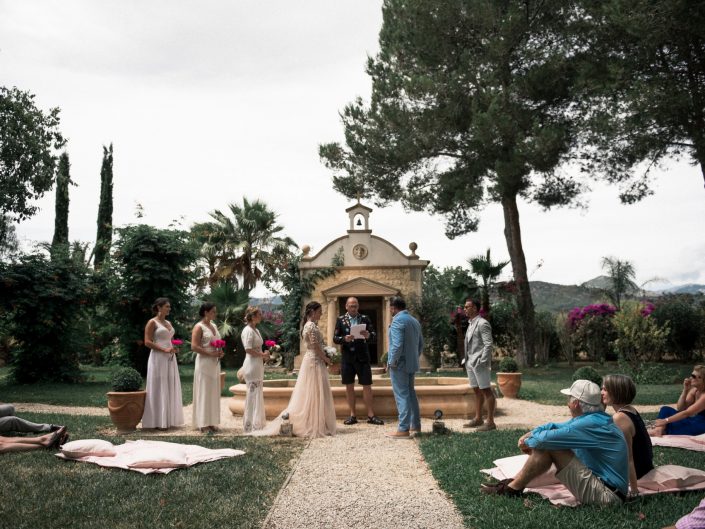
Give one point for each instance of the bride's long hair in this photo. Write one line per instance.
(312, 307)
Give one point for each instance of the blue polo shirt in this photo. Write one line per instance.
(596, 441)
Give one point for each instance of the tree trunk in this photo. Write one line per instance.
(512, 234)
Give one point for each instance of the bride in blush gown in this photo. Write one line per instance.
(311, 409)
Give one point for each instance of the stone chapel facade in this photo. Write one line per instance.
(374, 271)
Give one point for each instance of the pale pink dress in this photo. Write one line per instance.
(163, 406)
(311, 409)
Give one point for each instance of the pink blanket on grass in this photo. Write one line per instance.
(666, 478)
(133, 454)
(688, 442)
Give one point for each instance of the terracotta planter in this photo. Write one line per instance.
(509, 384)
(126, 409)
(334, 369)
(222, 380)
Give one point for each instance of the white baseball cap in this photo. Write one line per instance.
(585, 391)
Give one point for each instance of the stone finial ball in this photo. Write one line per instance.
(413, 246)
(306, 249)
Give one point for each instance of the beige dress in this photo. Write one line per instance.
(206, 382)
(254, 417)
(311, 409)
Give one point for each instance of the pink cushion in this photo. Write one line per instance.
(163, 457)
(671, 477)
(88, 447)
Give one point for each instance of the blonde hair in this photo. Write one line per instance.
(700, 369)
(251, 312)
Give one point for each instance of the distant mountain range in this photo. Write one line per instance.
(551, 296)
(555, 298)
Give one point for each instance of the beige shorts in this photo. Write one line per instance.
(586, 486)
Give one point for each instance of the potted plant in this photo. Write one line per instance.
(509, 377)
(334, 355)
(126, 400)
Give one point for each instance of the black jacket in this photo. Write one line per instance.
(357, 349)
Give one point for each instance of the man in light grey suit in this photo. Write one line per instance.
(405, 346)
(478, 365)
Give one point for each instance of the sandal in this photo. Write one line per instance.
(350, 420)
(375, 420)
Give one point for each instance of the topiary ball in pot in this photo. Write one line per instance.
(126, 379)
(509, 378)
(508, 365)
(126, 400)
(588, 373)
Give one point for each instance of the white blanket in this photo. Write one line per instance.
(136, 452)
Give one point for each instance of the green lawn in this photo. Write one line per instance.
(92, 391)
(456, 460)
(40, 490)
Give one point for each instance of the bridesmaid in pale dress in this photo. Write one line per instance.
(206, 375)
(254, 417)
(162, 407)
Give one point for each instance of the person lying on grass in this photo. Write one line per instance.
(24, 444)
(9, 422)
(589, 452)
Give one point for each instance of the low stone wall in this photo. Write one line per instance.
(445, 393)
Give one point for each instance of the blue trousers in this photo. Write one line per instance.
(405, 397)
(694, 425)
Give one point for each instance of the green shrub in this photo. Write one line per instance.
(126, 379)
(508, 365)
(44, 302)
(151, 263)
(115, 355)
(686, 321)
(639, 336)
(504, 319)
(653, 374)
(588, 373)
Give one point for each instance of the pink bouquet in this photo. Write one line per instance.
(270, 343)
(177, 342)
(218, 344)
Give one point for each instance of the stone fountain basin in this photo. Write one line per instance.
(452, 395)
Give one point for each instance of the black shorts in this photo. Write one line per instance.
(363, 370)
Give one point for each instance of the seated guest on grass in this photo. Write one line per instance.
(689, 417)
(589, 452)
(11, 423)
(24, 444)
(619, 391)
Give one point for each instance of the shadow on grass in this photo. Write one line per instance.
(40, 490)
(456, 461)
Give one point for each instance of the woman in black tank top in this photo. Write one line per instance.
(619, 391)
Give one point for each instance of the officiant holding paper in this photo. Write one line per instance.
(352, 332)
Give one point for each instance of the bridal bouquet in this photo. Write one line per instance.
(332, 353)
(218, 344)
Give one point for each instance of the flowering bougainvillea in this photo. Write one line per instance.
(578, 314)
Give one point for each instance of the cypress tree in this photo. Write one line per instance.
(104, 236)
(61, 220)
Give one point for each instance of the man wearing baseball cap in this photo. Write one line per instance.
(589, 452)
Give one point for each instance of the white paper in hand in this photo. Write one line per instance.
(356, 331)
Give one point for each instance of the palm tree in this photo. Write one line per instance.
(248, 244)
(483, 267)
(621, 275)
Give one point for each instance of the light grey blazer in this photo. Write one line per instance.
(478, 343)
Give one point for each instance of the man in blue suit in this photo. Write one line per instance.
(405, 346)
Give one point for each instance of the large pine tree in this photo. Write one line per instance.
(61, 219)
(104, 236)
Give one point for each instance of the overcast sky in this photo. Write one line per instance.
(209, 101)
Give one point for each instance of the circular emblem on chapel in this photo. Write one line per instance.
(360, 251)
